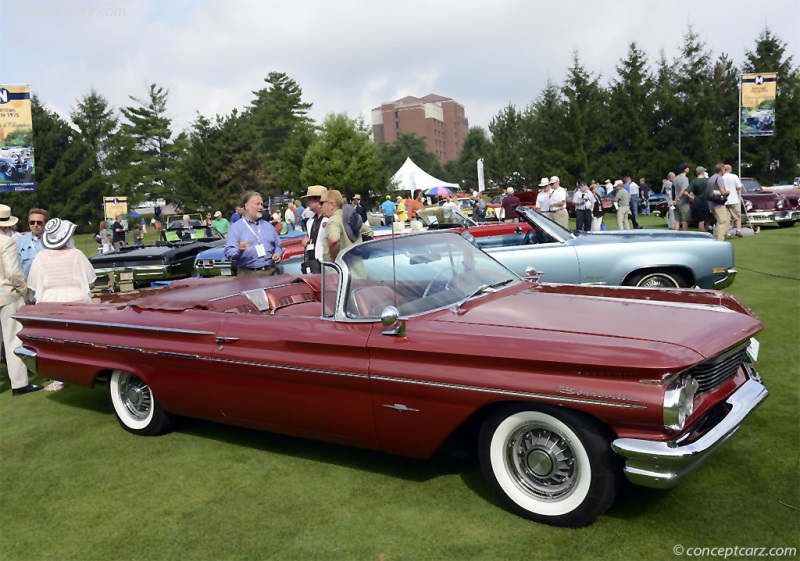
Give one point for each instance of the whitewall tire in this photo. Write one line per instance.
(135, 406)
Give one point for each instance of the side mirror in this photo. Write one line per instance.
(532, 275)
(390, 319)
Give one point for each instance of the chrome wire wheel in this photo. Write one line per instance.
(657, 280)
(541, 461)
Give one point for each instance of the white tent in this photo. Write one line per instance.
(411, 177)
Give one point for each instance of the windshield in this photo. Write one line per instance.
(431, 216)
(541, 222)
(417, 274)
(751, 185)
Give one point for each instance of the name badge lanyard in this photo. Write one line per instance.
(260, 251)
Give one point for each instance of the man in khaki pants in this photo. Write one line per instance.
(716, 184)
(12, 291)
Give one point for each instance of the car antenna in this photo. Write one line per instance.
(394, 269)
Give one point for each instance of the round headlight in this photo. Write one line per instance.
(679, 402)
(779, 204)
(748, 206)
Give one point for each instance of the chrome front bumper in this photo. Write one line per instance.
(727, 280)
(662, 465)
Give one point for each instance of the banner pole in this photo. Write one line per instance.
(739, 125)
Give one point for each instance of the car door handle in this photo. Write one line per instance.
(223, 340)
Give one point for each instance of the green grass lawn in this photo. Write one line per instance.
(74, 485)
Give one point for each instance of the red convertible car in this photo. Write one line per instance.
(410, 343)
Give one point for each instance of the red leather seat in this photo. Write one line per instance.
(370, 301)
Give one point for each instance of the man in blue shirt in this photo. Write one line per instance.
(253, 244)
(237, 215)
(388, 208)
(30, 243)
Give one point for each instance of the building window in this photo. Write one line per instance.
(397, 125)
(397, 114)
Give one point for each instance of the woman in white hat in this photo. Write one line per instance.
(12, 296)
(60, 273)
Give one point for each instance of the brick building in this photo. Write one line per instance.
(440, 120)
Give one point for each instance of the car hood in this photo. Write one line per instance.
(176, 250)
(621, 326)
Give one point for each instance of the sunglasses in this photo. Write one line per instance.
(35, 222)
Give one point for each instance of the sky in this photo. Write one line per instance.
(351, 55)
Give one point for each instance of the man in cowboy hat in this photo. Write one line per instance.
(13, 290)
(316, 231)
(543, 197)
(360, 208)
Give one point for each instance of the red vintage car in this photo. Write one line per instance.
(407, 344)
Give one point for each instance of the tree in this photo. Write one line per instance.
(409, 145)
(464, 169)
(344, 157)
(769, 55)
(511, 147)
(547, 115)
(144, 155)
(282, 132)
(629, 141)
(66, 180)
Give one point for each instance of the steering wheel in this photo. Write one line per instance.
(527, 239)
(436, 277)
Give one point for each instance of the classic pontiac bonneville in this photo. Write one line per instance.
(405, 342)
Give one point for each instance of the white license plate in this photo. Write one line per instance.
(225, 272)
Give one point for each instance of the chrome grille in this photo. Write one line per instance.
(713, 373)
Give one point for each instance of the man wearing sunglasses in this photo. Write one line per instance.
(30, 243)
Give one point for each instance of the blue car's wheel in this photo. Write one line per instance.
(656, 279)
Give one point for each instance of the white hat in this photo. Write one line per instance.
(218, 214)
(57, 233)
(6, 219)
(276, 217)
(510, 190)
(543, 182)
(608, 182)
(554, 179)
(618, 182)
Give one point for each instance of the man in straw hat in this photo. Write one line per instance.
(315, 226)
(13, 290)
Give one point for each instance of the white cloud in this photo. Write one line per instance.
(351, 55)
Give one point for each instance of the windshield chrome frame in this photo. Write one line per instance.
(345, 277)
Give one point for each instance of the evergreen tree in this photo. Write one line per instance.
(629, 142)
(464, 170)
(769, 55)
(511, 149)
(584, 122)
(282, 132)
(546, 118)
(144, 155)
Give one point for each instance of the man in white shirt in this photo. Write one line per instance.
(315, 226)
(558, 203)
(734, 202)
(543, 197)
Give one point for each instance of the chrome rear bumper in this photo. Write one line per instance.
(28, 357)
(662, 465)
(727, 280)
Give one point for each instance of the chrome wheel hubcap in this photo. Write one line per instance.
(541, 462)
(135, 396)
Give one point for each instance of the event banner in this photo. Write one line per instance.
(114, 206)
(16, 140)
(758, 104)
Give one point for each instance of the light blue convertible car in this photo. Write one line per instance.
(648, 258)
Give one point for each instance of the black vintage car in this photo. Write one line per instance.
(170, 258)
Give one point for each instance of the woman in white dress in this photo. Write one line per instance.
(60, 273)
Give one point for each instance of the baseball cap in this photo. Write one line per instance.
(554, 179)
(699, 169)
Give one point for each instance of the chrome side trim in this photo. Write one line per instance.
(497, 391)
(114, 325)
(662, 465)
(513, 393)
